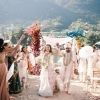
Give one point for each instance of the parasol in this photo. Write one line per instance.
(97, 44)
(85, 52)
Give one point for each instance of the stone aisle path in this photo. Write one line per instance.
(31, 93)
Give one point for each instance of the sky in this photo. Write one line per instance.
(67, 11)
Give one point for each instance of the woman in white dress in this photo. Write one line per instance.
(47, 75)
(23, 65)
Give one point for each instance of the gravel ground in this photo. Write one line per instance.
(77, 90)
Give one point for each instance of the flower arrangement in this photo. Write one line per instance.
(34, 32)
(78, 35)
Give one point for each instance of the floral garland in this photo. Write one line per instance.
(46, 61)
(34, 32)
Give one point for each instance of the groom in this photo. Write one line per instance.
(68, 62)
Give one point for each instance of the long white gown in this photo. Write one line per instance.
(47, 76)
(22, 66)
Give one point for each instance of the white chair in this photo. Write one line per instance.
(95, 79)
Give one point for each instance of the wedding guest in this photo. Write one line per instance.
(14, 81)
(22, 66)
(4, 95)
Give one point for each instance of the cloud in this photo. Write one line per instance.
(74, 5)
(87, 9)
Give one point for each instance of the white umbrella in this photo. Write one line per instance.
(98, 43)
(85, 52)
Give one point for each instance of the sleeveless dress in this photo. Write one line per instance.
(4, 95)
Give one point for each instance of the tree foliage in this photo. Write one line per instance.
(92, 30)
(93, 38)
(16, 36)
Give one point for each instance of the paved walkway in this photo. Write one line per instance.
(78, 92)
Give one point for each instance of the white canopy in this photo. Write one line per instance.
(53, 40)
(85, 52)
(98, 43)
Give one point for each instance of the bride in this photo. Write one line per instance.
(47, 75)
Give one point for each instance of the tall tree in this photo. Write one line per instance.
(93, 38)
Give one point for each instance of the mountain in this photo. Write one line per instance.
(26, 11)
